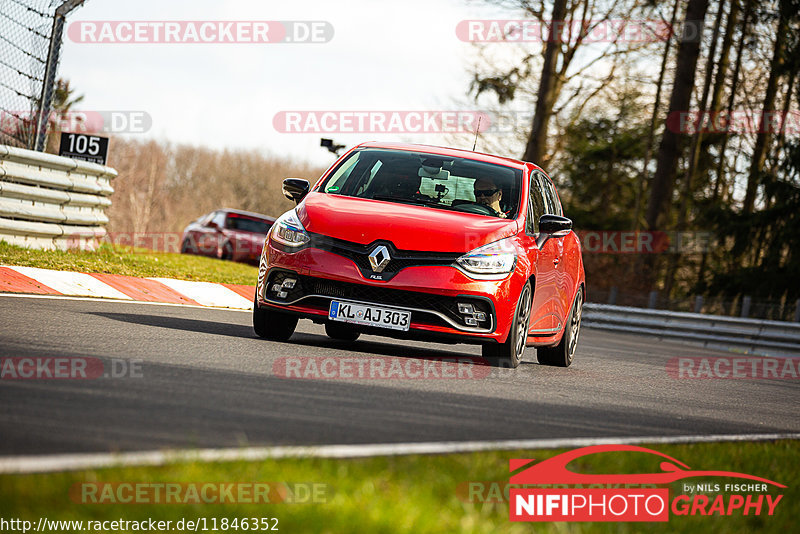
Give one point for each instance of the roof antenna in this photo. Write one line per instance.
(477, 129)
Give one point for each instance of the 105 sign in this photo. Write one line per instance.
(84, 147)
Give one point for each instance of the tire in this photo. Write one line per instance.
(185, 248)
(510, 353)
(562, 354)
(273, 325)
(342, 332)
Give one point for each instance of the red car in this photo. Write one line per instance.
(430, 243)
(228, 235)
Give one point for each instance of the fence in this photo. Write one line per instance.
(47, 201)
(30, 42)
(751, 336)
(786, 309)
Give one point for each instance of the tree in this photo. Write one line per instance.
(723, 143)
(603, 152)
(64, 98)
(548, 86)
(764, 135)
(651, 132)
(773, 274)
(669, 149)
(688, 189)
(569, 29)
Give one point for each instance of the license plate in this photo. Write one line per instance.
(369, 315)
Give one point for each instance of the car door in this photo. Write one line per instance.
(544, 320)
(195, 234)
(562, 295)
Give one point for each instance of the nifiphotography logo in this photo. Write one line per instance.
(613, 499)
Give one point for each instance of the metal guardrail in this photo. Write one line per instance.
(48, 201)
(750, 336)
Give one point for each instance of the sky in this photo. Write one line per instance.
(384, 56)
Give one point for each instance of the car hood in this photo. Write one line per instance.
(408, 227)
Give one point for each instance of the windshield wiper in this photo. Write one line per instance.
(391, 198)
(404, 199)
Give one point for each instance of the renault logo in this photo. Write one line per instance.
(379, 258)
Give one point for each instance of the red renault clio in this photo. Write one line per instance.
(423, 242)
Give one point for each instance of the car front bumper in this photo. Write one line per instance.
(431, 292)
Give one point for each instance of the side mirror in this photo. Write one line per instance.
(212, 224)
(552, 226)
(555, 225)
(295, 189)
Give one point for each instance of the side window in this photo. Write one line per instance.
(356, 179)
(342, 174)
(548, 199)
(536, 207)
(552, 198)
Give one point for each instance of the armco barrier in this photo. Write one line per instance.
(48, 201)
(750, 336)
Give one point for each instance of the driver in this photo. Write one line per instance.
(488, 194)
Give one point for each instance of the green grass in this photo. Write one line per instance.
(412, 494)
(133, 262)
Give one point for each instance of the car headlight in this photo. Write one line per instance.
(492, 261)
(288, 231)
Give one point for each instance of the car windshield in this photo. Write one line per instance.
(432, 180)
(247, 224)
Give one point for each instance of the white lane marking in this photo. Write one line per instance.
(207, 293)
(73, 462)
(89, 299)
(71, 283)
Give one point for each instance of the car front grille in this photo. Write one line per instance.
(400, 259)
